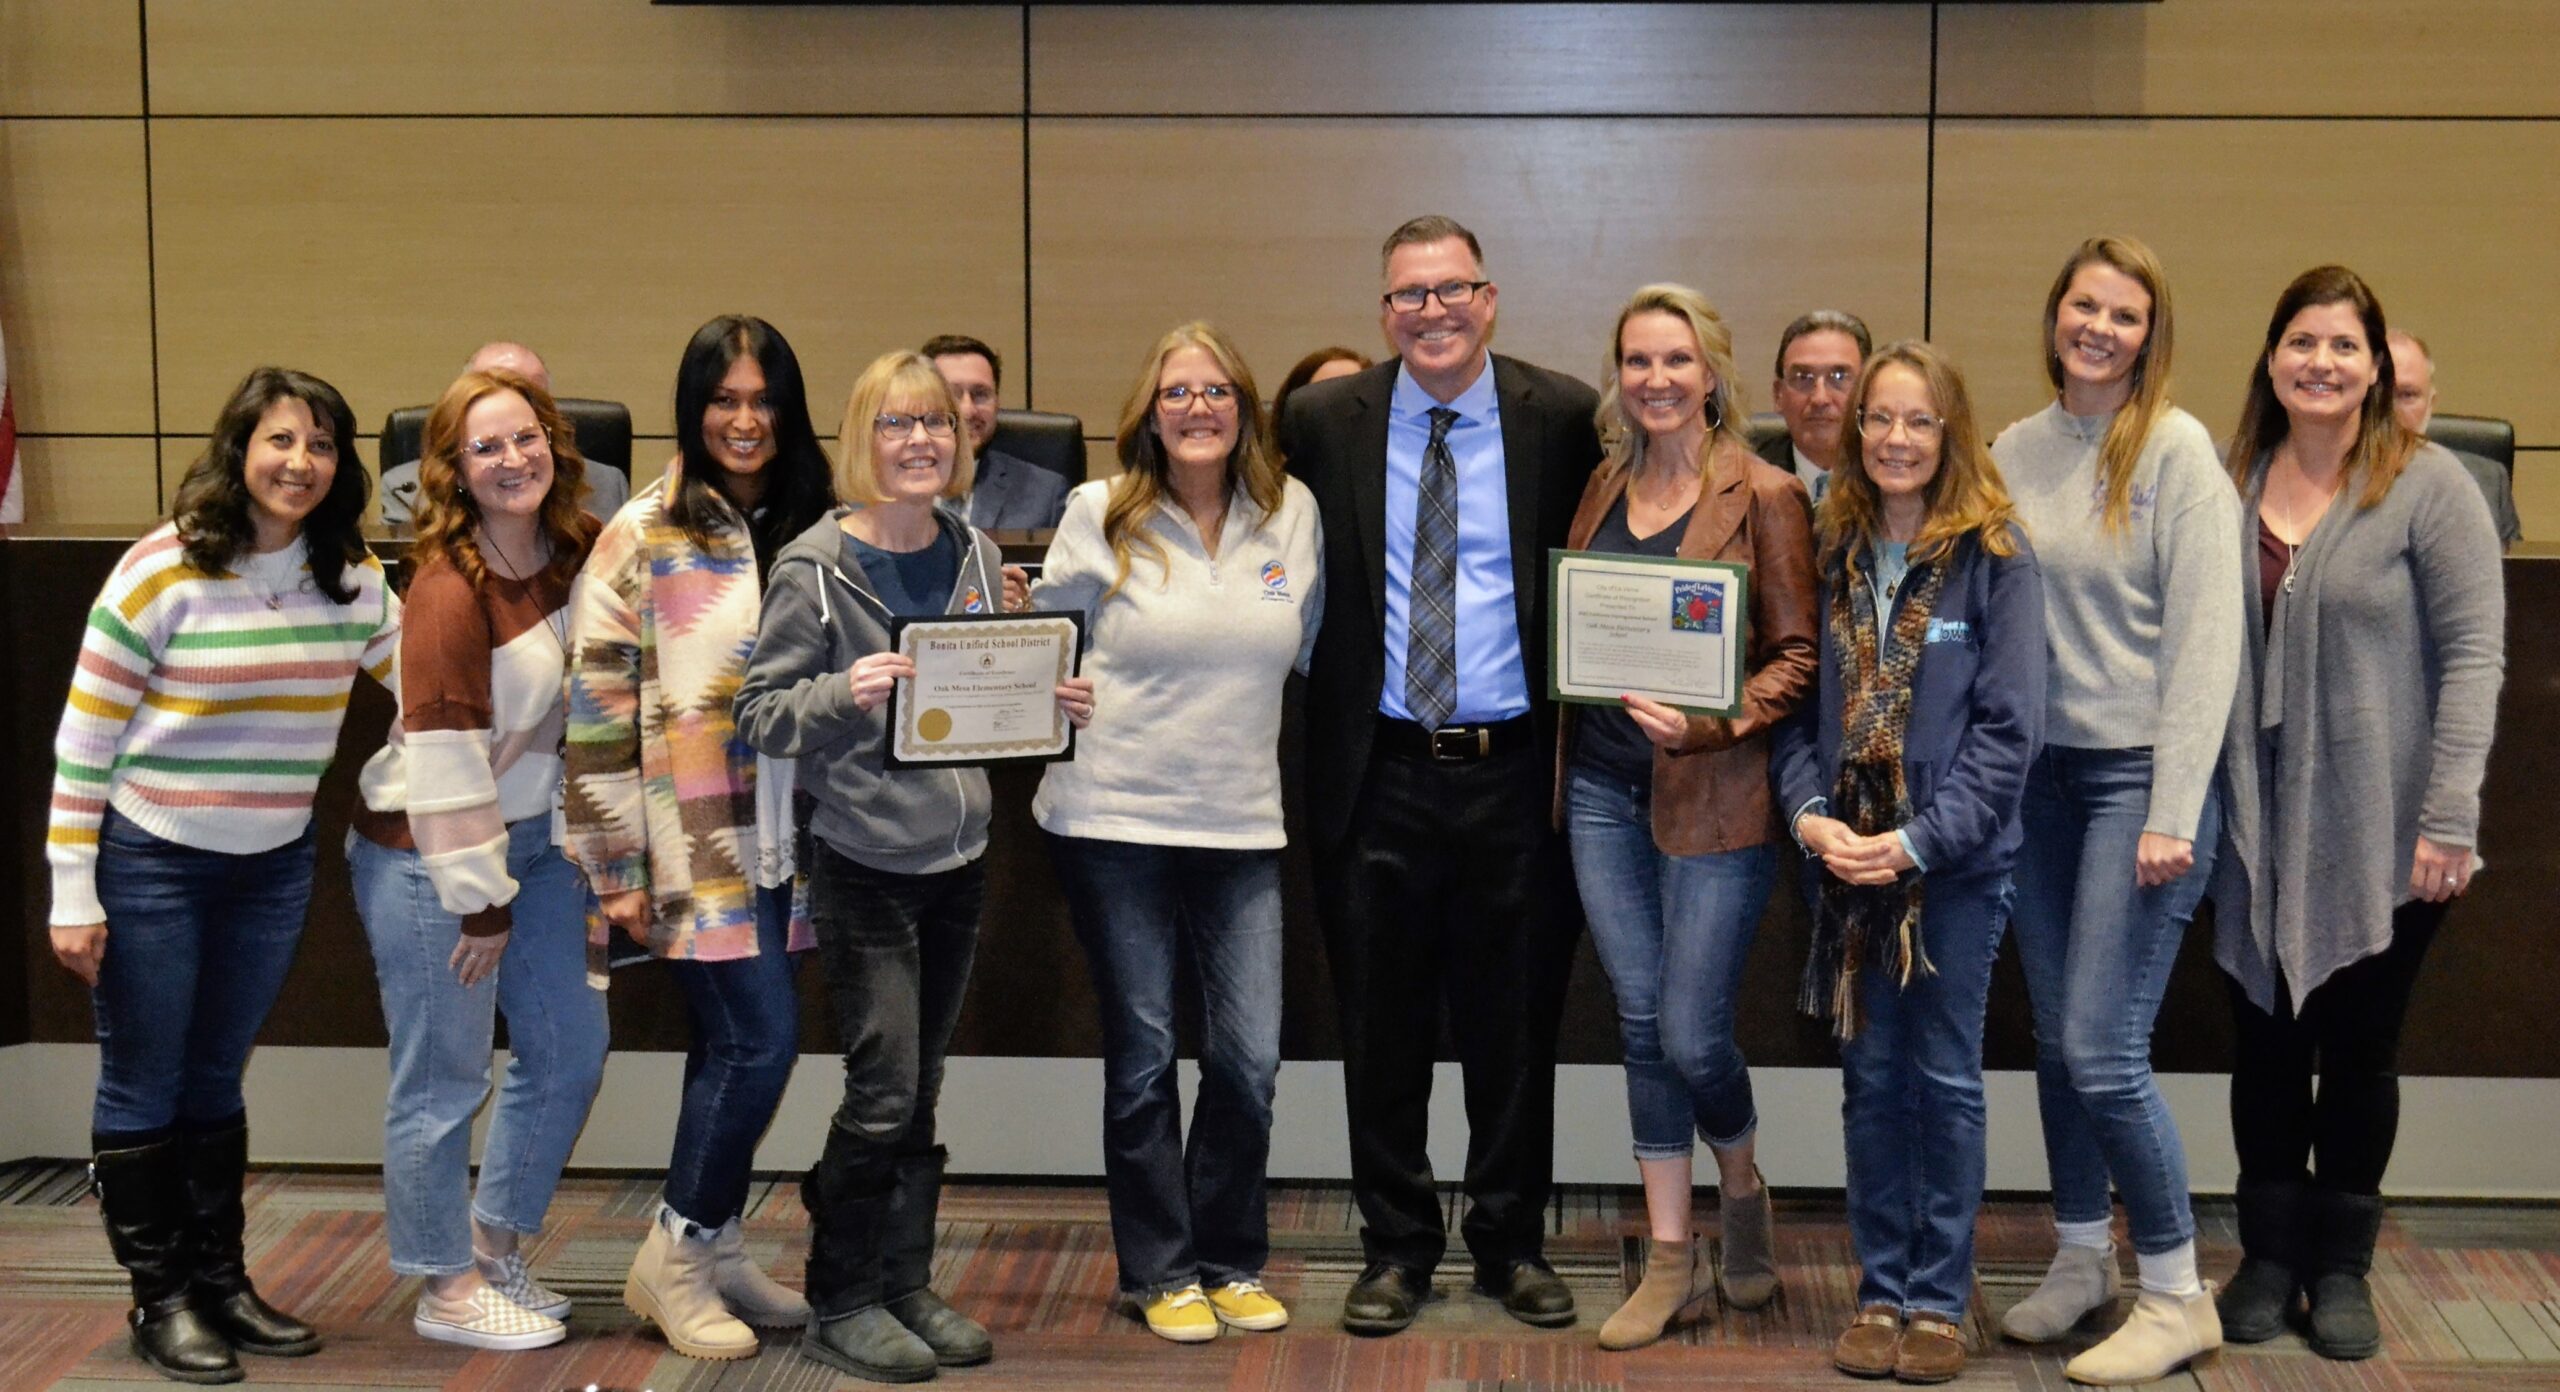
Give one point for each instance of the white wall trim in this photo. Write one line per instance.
(2459, 1137)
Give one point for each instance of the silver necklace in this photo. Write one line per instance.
(557, 621)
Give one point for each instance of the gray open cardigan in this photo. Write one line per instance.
(2362, 722)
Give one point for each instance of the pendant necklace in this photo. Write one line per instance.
(557, 621)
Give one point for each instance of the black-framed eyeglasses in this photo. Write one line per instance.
(1217, 396)
(890, 425)
(489, 449)
(1450, 293)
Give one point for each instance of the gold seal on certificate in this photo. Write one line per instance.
(1659, 626)
(985, 689)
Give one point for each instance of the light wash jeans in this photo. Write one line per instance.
(441, 1035)
(1672, 932)
(2097, 949)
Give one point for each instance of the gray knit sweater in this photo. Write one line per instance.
(2145, 624)
(2363, 723)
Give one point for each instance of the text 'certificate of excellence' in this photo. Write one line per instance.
(985, 689)
(1658, 626)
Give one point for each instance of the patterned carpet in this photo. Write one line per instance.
(2469, 1295)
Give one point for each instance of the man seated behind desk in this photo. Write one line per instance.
(607, 487)
(1009, 493)
(2413, 366)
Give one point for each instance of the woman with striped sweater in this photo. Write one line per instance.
(206, 704)
(685, 833)
(468, 903)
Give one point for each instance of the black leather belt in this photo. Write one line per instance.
(1452, 744)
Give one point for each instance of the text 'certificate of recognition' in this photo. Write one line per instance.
(1658, 626)
(985, 689)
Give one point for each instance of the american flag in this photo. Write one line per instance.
(13, 491)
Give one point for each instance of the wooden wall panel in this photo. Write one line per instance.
(2538, 494)
(75, 276)
(1650, 60)
(70, 58)
(2237, 209)
(585, 57)
(1281, 249)
(851, 236)
(2252, 57)
(108, 482)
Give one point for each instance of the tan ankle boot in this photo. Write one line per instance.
(750, 1294)
(2161, 1335)
(670, 1286)
(1670, 1292)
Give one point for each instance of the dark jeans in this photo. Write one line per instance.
(1182, 1214)
(746, 1036)
(198, 944)
(2348, 1032)
(1445, 896)
(896, 950)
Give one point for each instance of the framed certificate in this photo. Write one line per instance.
(1659, 626)
(985, 689)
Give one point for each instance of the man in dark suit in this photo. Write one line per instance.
(1008, 492)
(1444, 476)
(1818, 360)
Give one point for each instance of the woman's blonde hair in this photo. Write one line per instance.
(903, 378)
(1253, 466)
(446, 512)
(1965, 498)
(2150, 399)
(2383, 445)
(1622, 438)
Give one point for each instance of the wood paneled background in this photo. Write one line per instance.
(368, 188)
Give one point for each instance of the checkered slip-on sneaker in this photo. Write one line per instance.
(486, 1320)
(509, 1275)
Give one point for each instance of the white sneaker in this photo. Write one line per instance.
(487, 1319)
(509, 1275)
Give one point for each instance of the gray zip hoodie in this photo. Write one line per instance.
(795, 702)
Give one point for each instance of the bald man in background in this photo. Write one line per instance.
(607, 487)
(2414, 401)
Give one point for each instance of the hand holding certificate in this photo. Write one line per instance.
(985, 689)
(1665, 628)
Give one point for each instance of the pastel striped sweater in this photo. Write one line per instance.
(205, 707)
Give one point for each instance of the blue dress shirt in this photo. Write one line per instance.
(1493, 683)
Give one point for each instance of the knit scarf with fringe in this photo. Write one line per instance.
(1859, 926)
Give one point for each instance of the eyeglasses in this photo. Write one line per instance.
(489, 449)
(889, 425)
(1217, 396)
(1802, 380)
(1450, 293)
(1920, 425)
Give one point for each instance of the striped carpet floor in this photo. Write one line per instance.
(2469, 1295)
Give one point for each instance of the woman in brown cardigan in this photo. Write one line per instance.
(1668, 814)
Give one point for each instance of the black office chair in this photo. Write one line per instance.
(602, 428)
(1765, 426)
(2485, 436)
(1049, 439)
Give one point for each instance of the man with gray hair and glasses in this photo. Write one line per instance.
(1818, 360)
(607, 487)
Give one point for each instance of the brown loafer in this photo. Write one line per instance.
(1931, 1350)
(1866, 1348)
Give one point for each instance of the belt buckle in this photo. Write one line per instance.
(1458, 744)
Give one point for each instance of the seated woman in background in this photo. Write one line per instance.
(1166, 826)
(2376, 618)
(1667, 814)
(212, 680)
(684, 832)
(895, 864)
(467, 900)
(1902, 777)
(1322, 365)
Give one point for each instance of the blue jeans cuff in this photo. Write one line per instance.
(1651, 1151)
(1749, 1129)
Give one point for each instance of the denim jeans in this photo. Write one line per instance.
(897, 951)
(2097, 949)
(198, 944)
(1182, 1212)
(441, 1032)
(1911, 1106)
(1672, 932)
(746, 1037)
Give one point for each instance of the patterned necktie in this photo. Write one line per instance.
(1431, 635)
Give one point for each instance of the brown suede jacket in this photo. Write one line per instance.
(1711, 793)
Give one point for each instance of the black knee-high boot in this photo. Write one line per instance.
(142, 1195)
(217, 1170)
(957, 1340)
(850, 1326)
